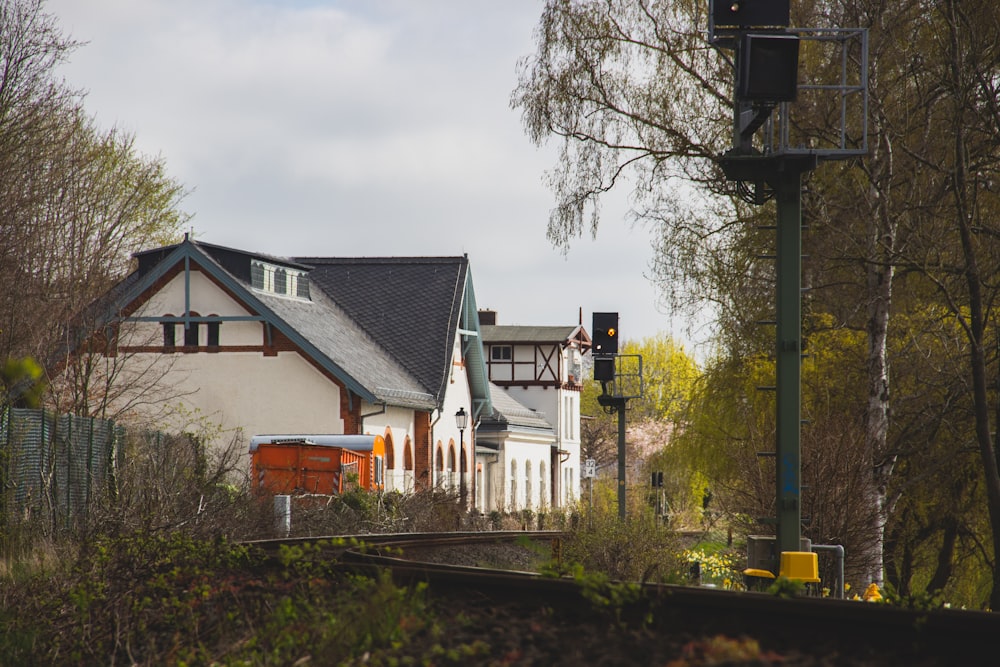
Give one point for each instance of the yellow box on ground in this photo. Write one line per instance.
(800, 565)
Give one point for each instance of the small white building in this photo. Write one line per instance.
(528, 450)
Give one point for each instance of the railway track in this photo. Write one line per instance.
(835, 632)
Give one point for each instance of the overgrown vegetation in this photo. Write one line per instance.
(156, 574)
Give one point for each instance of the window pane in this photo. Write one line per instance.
(191, 334)
(169, 334)
(302, 288)
(213, 334)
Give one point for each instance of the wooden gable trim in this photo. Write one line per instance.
(543, 373)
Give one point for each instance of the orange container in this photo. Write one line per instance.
(322, 464)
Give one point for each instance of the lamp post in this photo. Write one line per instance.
(461, 421)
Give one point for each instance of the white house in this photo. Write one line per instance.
(532, 440)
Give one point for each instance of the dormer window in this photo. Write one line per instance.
(280, 280)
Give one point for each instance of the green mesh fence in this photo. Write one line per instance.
(54, 464)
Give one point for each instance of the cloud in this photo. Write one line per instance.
(356, 127)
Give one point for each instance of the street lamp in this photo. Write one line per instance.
(461, 421)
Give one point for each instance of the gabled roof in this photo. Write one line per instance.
(385, 327)
(155, 264)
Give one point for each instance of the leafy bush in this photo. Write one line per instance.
(638, 549)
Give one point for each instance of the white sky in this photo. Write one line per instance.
(358, 128)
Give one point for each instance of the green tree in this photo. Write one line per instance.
(22, 384)
(637, 98)
(669, 375)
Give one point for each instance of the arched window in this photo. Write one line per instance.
(191, 331)
(439, 466)
(212, 333)
(512, 504)
(390, 454)
(543, 501)
(451, 465)
(280, 281)
(169, 334)
(407, 465)
(257, 275)
(527, 485)
(302, 287)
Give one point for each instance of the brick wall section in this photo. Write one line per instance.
(279, 343)
(422, 450)
(351, 416)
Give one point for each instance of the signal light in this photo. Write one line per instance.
(605, 338)
(768, 68)
(756, 13)
(604, 369)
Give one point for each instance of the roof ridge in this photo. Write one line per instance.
(383, 259)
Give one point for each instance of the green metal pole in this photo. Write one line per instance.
(621, 459)
(788, 343)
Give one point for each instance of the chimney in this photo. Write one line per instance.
(487, 317)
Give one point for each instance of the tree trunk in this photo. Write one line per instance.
(975, 325)
(879, 275)
(945, 556)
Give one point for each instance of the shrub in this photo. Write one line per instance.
(637, 549)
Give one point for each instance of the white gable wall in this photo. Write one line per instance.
(562, 411)
(237, 389)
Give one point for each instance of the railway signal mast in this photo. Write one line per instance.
(620, 376)
(770, 153)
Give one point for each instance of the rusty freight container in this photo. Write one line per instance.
(316, 464)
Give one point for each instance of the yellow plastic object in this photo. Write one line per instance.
(800, 566)
(872, 593)
(753, 572)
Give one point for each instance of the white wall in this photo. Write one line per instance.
(445, 432)
(522, 455)
(396, 425)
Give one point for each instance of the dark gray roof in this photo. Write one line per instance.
(509, 414)
(334, 333)
(410, 306)
(494, 333)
